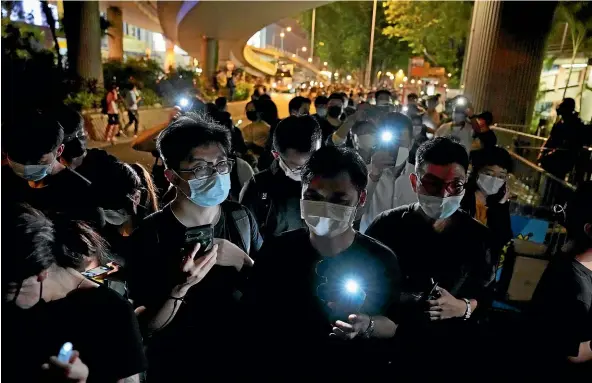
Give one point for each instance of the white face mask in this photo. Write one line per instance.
(291, 174)
(327, 219)
(116, 217)
(438, 207)
(366, 141)
(489, 185)
(402, 155)
(322, 112)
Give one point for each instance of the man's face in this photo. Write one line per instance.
(294, 159)
(321, 110)
(335, 102)
(197, 162)
(459, 115)
(439, 180)
(383, 99)
(304, 109)
(337, 190)
(28, 293)
(432, 104)
(412, 100)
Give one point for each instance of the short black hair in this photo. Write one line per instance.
(383, 92)
(221, 102)
(188, 132)
(337, 96)
(301, 133)
(71, 121)
(330, 161)
(442, 151)
(579, 212)
(491, 156)
(412, 95)
(321, 100)
(32, 136)
(297, 102)
(123, 182)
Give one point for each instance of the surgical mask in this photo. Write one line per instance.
(31, 172)
(489, 185)
(437, 207)
(291, 174)
(116, 217)
(211, 191)
(366, 141)
(252, 115)
(327, 219)
(322, 112)
(334, 111)
(402, 155)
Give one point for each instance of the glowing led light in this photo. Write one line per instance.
(352, 286)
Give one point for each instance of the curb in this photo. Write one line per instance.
(103, 144)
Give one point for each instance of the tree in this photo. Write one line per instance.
(578, 16)
(342, 37)
(51, 23)
(436, 30)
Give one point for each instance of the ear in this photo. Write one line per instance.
(171, 176)
(413, 179)
(42, 276)
(363, 197)
(588, 229)
(275, 154)
(59, 151)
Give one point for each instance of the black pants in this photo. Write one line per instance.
(134, 118)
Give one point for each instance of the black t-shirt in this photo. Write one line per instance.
(99, 323)
(274, 199)
(326, 129)
(65, 193)
(458, 259)
(207, 318)
(561, 315)
(286, 297)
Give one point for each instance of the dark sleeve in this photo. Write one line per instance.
(238, 142)
(250, 198)
(125, 348)
(481, 269)
(256, 239)
(393, 271)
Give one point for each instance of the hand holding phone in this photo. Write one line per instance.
(67, 364)
(196, 267)
(204, 235)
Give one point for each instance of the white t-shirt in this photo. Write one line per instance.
(381, 196)
(404, 194)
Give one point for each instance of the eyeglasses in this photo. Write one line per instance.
(295, 169)
(435, 187)
(207, 169)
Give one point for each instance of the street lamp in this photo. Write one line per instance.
(293, 54)
(405, 79)
(325, 63)
(310, 59)
(303, 49)
(289, 29)
(413, 81)
(282, 35)
(449, 74)
(349, 77)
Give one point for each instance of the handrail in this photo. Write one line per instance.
(500, 129)
(541, 170)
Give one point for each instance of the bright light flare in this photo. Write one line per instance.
(352, 286)
(386, 136)
(183, 102)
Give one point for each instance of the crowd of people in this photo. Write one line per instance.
(359, 242)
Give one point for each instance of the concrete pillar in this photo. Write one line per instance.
(115, 37)
(83, 32)
(223, 53)
(505, 57)
(169, 58)
(209, 58)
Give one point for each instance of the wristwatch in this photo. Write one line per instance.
(368, 333)
(469, 309)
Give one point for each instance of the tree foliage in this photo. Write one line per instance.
(342, 37)
(437, 30)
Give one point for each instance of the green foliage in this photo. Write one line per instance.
(342, 35)
(143, 72)
(243, 91)
(150, 98)
(436, 30)
(85, 100)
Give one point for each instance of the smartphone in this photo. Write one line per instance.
(97, 273)
(433, 293)
(65, 352)
(204, 235)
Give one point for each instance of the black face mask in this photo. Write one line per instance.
(334, 111)
(252, 115)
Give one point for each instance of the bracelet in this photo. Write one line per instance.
(370, 330)
(469, 311)
(181, 299)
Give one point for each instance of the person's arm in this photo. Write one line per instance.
(339, 137)
(363, 325)
(195, 269)
(584, 353)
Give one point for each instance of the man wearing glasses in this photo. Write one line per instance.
(436, 242)
(274, 194)
(189, 293)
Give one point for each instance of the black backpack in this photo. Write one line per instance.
(104, 108)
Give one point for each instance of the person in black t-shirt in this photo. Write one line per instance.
(321, 108)
(191, 298)
(325, 285)
(560, 312)
(335, 110)
(35, 176)
(47, 303)
(274, 194)
(434, 240)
